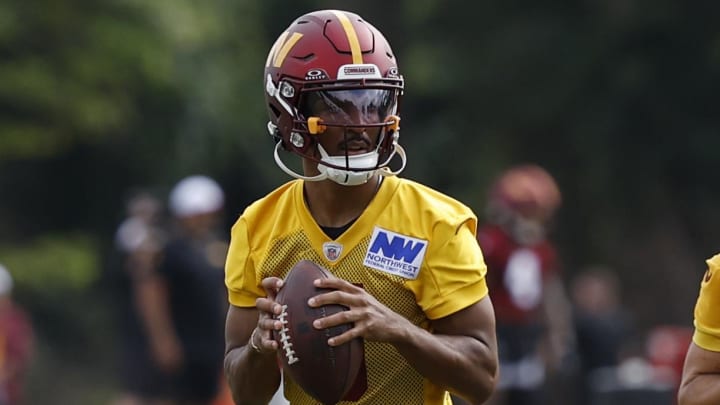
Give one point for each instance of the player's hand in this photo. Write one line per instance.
(372, 320)
(261, 339)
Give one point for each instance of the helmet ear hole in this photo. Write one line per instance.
(275, 112)
(272, 124)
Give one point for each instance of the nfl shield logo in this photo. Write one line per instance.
(332, 250)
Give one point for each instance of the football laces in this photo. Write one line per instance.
(285, 338)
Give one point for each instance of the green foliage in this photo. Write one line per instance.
(71, 74)
(53, 264)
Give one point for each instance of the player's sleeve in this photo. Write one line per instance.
(707, 316)
(240, 276)
(453, 277)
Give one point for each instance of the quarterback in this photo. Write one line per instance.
(407, 262)
(701, 373)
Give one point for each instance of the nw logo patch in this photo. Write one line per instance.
(395, 253)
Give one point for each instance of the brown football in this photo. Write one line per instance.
(326, 373)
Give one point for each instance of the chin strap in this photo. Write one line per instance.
(292, 173)
(385, 171)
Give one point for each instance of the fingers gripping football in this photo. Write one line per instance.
(371, 320)
(261, 339)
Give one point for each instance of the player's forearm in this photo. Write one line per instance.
(253, 377)
(464, 365)
(703, 389)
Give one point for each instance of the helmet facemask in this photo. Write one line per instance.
(365, 116)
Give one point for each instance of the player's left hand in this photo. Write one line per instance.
(372, 320)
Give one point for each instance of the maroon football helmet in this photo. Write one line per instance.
(337, 62)
(523, 200)
(528, 190)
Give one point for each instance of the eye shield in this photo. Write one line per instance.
(354, 107)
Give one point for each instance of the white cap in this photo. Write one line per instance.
(196, 195)
(6, 281)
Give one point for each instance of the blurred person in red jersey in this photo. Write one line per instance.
(531, 306)
(701, 373)
(16, 343)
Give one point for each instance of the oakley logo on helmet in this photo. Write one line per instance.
(316, 74)
(366, 71)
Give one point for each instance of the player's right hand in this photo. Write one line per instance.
(268, 309)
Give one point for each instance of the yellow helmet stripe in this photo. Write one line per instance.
(287, 46)
(352, 36)
(273, 50)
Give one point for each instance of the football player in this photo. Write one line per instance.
(408, 265)
(701, 374)
(531, 307)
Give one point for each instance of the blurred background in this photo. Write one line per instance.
(617, 99)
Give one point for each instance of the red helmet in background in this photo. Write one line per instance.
(528, 190)
(333, 57)
(522, 200)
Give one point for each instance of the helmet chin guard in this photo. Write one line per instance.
(360, 168)
(367, 162)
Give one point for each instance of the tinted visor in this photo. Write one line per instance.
(349, 107)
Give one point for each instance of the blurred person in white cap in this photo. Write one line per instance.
(185, 298)
(16, 343)
(196, 202)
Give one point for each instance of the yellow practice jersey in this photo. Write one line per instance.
(413, 248)
(707, 309)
